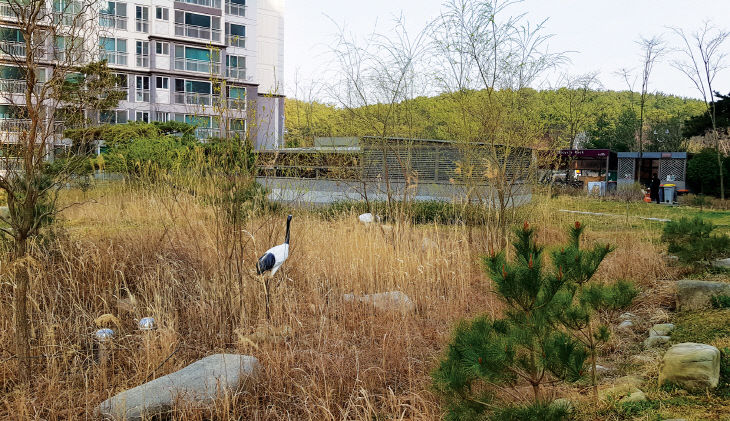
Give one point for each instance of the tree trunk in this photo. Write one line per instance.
(22, 324)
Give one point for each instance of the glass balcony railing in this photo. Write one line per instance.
(201, 66)
(235, 9)
(236, 41)
(193, 98)
(142, 25)
(112, 21)
(200, 32)
(207, 132)
(236, 73)
(10, 86)
(142, 95)
(143, 60)
(114, 57)
(236, 103)
(216, 4)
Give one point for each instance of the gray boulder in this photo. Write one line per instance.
(664, 329)
(637, 396)
(200, 382)
(384, 301)
(691, 366)
(723, 264)
(697, 295)
(656, 341)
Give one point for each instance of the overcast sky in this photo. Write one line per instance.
(601, 34)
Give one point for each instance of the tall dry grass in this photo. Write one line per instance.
(134, 252)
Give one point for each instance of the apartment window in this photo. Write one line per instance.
(162, 48)
(216, 4)
(143, 116)
(195, 25)
(236, 67)
(113, 116)
(236, 7)
(113, 50)
(236, 35)
(162, 13)
(114, 15)
(193, 59)
(143, 19)
(122, 84)
(142, 87)
(162, 82)
(143, 54)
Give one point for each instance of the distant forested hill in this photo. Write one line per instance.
(609, 119)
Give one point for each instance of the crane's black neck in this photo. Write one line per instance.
(288, 222)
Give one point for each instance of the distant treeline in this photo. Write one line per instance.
(599, 119)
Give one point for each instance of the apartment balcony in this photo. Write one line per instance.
(142, 95)
(12, 48)
(143, 60)
(199, 32)
(67, 19)
(15, 126)
(236, 73)
(12, 86)
(216, 4)
(112, 21)
(236, 41)
(235, 9)
(114, 58)
(201, 66)
(192, 98)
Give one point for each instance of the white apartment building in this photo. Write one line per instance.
(214, 63)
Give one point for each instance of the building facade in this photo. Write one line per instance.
(217, 64)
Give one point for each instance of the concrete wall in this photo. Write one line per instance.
(321, 192)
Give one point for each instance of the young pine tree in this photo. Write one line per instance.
(527, 345)
(583, 299)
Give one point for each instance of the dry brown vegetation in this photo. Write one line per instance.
(133, 252)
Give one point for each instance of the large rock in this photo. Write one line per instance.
(691, 366)
(385, 301)
(200, 382)
(697, 295)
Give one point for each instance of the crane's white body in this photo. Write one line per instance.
(281, 253)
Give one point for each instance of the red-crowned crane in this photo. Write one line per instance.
(272, 261)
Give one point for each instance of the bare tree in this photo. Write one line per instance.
(486, 59)
(652, 49)
(47, 48)
(375, 81)
(701, 59)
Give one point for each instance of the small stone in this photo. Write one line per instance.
(601, 370)
(627, 316)
(626, 325)
(201, 381)
(664, 329)
(619, 391)
(656, 341)
(637, 396)
(691, 366)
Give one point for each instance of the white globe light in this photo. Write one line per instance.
(104, 335)
(147, 323)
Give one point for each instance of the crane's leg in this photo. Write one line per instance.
(267, 297)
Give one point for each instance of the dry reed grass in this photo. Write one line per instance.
(145, 252)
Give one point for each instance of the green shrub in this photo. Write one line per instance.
(721, 301)
(692, 240)
(421, 212)
(539, 411)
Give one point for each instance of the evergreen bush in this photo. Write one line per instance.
(693, 242)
